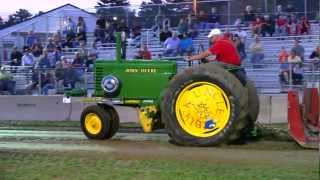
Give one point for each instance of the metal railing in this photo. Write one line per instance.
(44, 81)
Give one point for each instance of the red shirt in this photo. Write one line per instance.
(281, 22)
(226, 52)
(145, 54)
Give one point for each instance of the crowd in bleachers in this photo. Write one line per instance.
(51, 68)
(282, 23)
(46, 61)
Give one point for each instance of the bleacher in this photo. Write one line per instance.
(265, 78)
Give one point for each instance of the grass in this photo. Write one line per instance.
(23, 165)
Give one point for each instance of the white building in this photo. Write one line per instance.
(46, 23)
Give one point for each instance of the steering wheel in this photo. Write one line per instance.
(200, 50)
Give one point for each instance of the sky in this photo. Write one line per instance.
(34, 6)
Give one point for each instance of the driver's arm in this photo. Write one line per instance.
(199, 56)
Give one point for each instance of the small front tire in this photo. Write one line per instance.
(96, 122)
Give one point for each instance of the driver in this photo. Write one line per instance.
(222, 50)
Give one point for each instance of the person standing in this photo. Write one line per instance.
(299, 49)
(257, 52)
(81, 30)
(16, 57)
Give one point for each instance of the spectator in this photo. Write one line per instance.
(77, 61)
(31, 39)
(257, 54)
(240, 47)
(59, 70)
(191, 21)
(37, 50)
(143, 53)
(66, 63)
(171, 46)
(304, 26)
(92, 57)
(83, 52)
(290, 9)
(73, 72)
(57, 39)
(27, 58)
(315, 57)
(94, 50)
(110, 29)
(279, 11)
(284, 66)
(249, 15)
(81, 30)
(203, 20)
(281, 24)
(295, 62)
(292, 26)
(185, 45)
(164, 35)
(299, 49)
(123, 44)
(242, 34)
(99, 32)
(70, 30)
(228, 35)
(256, 26)
(14, 62)
(50, 46)
(77, 64)
(54, 56)
(268, 27)
(214, 18)
(47, 83)
(16, 57)
(44, 61)
(136, 30)
(6, 82)
(183, 26)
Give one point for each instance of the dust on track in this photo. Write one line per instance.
(154, 146)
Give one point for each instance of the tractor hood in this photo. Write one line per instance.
(134, 79)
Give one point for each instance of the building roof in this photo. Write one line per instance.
(5, 31)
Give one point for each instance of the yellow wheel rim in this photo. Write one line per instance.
(93, 123)
(202, 109)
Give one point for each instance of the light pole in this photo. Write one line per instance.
(195, 7)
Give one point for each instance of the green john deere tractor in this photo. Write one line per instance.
(204, 105)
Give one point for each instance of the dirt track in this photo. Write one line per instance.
(155, 146)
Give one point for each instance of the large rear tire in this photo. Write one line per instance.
(252, 115)
(253, 102)
(204, 106)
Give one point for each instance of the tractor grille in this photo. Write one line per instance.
(98, 77)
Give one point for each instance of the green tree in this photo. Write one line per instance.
(148, 12)
(18, 16)
(172, 9)
(112, 3)
(115, 8)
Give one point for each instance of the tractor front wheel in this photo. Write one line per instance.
(98, 122)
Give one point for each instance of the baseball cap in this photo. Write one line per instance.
(214, 32)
